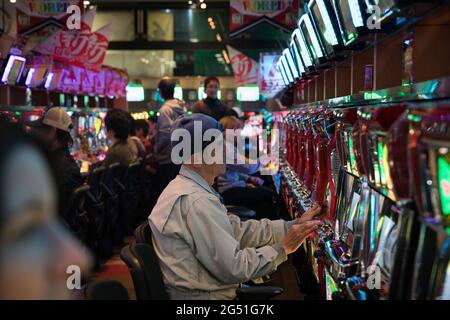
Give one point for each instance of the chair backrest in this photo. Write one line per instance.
(145, 271)
(95, 180)
(76, 214)
(105, 290)
(143, 234)
(132, 176)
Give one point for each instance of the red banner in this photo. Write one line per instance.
(82, 48)
(270, 81)
(245, 69)
(244, 13)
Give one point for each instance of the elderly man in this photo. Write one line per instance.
(204, 253)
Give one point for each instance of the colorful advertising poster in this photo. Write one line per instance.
(245, 13)
(245, 69)
(270, 81)
(39, 19)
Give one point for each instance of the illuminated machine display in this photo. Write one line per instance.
(326, 26)
(376, 162)
(11, 91)
(429, 165)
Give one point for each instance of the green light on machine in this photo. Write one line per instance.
(189, 113)
(444, 182)
(151, 113)
(414, 118)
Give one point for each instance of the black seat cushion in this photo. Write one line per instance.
(143, 263)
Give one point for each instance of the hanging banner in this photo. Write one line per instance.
(245, 13)
(82, 48)
(270, 81)
(39, 19)
(245, 69)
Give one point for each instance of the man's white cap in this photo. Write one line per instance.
(58, 118)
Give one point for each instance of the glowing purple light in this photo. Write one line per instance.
(29, 77)
(49, 80)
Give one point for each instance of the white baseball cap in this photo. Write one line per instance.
(58, 118)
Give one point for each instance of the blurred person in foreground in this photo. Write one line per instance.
(204, 253)
(35, 249)
(211, 105)
(237, 186)
(171, 110)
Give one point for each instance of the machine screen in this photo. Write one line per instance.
(375, 207)
(13, 70)
(324, 25)
(352, 157)
(387, 235)
(303, 47)
(386, 6)
(444, 182)
(296, 56)
(309, 42)
(330, 285)
(349, 14)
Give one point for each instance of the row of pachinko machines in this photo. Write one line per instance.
(382, 176)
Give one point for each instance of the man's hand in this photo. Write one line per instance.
(297, 234)
(310, 214)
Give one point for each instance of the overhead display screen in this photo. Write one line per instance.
(350, 18)
(290, 61)
(287, 70)
(310, 37)
(283, 73)
(304, 51)
(323, 17)
(387, 7)
(295, 52)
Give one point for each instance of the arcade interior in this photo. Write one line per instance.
(347, 102)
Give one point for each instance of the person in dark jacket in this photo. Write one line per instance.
(212, 106)
(54, 128)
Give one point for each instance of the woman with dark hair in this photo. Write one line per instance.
(212, 106)
(36, 251)
(54, 128)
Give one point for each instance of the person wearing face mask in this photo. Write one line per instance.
(35, 249)
(203, 252)
(212, 106)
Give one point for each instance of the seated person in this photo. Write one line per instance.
(238, 187)
(204, 253)
(118, 129)
(134, 141)
(54, 128)
(35, 249)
